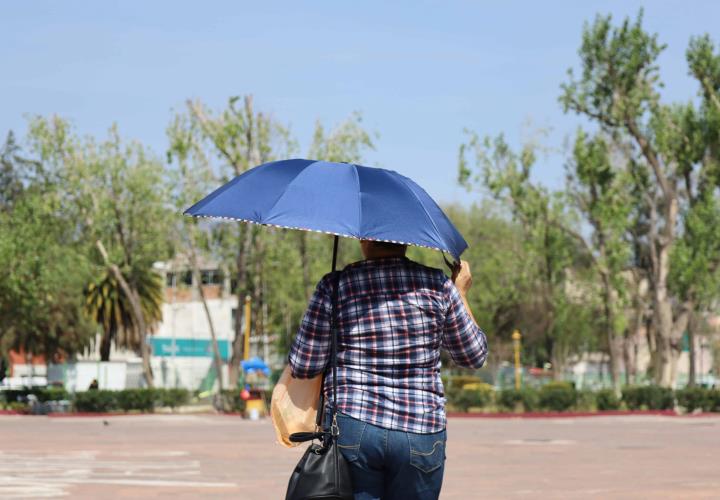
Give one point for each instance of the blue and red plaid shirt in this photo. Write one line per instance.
(394, 315)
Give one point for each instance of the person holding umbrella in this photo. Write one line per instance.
(382, 320)
(394, 317)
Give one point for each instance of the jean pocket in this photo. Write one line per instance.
(427, 451)
(351, 433)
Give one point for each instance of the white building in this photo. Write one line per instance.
(181, 346)
(182, 354)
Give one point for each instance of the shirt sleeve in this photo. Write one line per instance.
(310, 351)
(462, 338)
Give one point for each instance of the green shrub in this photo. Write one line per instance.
(692, 398)
(477, 395)
(136, 399)
(53, 394)
(713, 400)
(586, 400)
(460, 381)
(451, 395)
(606, 399)
(18, 395)
(172, 398)
(17, 406)
(557, 396)
(511, 399)
(651, 397)
(95, 401)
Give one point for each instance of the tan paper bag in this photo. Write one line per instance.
(293, 407)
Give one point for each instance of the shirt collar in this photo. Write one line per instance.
(383, 261)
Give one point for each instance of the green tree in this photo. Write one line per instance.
(674, 145)
(118, 199)
(14, 169)
(42, 271)
(41, 281)
(600, 192)
(496, 253)
(107, 304)
(552, 276)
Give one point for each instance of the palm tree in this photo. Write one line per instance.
(110, 308)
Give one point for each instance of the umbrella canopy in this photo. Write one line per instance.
(335, 198)
(255, 364)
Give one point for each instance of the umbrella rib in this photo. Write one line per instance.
(359, 200)
(287, 186)
(427, 214)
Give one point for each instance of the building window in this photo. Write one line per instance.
(211, 277)
(170, 280)
(186, 278)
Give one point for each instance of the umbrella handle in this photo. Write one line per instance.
(451, 265)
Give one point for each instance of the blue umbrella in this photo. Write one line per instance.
(335, 198)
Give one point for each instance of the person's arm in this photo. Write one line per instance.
(310, 351)
(462, 337)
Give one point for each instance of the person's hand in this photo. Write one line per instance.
(462, 277)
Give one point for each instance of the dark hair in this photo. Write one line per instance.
(386, 245)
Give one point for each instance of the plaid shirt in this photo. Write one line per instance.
(394, 315)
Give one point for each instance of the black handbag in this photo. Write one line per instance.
(323, 472)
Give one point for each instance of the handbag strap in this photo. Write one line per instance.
(332, 404)
(334, 431)
(333, 343)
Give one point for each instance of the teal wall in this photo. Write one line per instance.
(188, 348)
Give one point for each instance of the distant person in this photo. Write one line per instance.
(93, 385)
(394, 316)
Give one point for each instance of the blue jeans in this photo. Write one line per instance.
(391, 465)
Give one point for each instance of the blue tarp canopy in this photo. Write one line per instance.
(255, 364)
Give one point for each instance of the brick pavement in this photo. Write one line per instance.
(208, 456)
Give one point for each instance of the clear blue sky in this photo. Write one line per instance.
(420, 72)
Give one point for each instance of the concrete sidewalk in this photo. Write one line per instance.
(206, 456)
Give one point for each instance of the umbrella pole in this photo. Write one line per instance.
(321, 403)
(335, 252)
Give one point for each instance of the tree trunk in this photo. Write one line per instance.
(136, 310)
(660, 247)
(105, 344)
(628, 352)
(630, 345)
(634, 335)
(241, 290)
(692, 370)
(680, 325)
(217, 361)
(651, 338)
(613, 341)
(258, 297)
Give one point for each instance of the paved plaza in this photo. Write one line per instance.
(208, 456)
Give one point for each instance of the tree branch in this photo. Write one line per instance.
(197, 110)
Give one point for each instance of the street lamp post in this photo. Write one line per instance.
(516, 347)
(246, 353)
